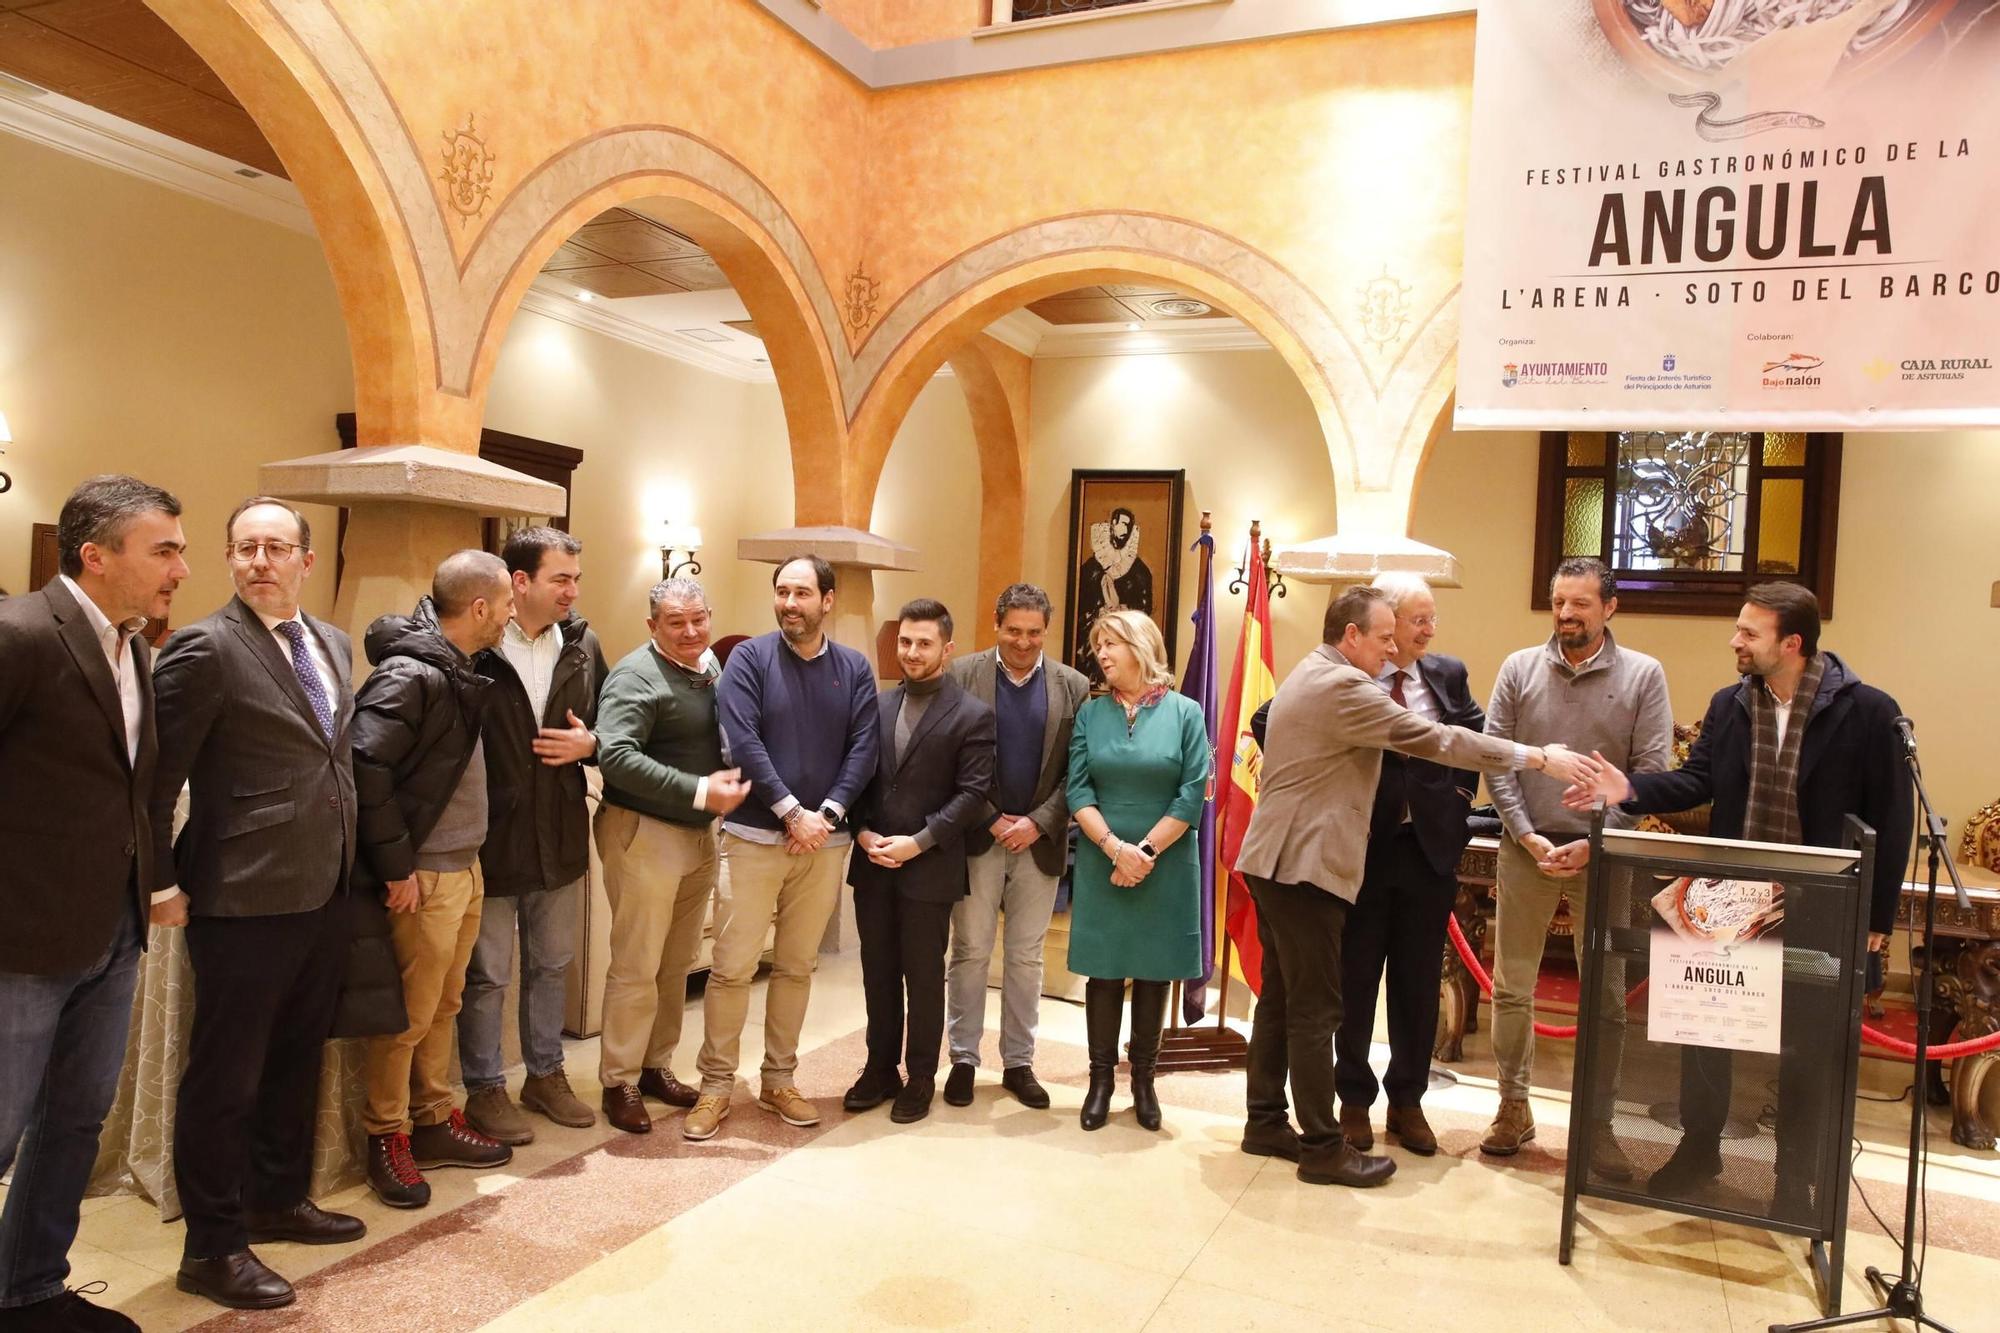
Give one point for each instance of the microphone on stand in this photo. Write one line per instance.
(1907, 729)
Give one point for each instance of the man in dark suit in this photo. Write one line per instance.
(1416, 832)
(254, 706)
(76, 765)
(932, 778)
(1015, 853)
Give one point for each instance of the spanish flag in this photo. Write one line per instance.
(1252, 681)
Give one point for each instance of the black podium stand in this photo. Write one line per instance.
(1702, 1056)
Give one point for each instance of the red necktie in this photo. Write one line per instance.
(1396, 689)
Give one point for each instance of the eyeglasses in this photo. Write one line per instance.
(244, 552)
(1425, 622)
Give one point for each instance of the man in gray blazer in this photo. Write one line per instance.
(1019, 846)
(1304, 855)
(76, 769)
(254, 706)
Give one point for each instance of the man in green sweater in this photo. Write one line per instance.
(660, 750)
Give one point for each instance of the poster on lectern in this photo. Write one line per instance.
(1733, 214)
(1717, 964)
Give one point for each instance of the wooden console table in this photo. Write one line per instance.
(1968, 990)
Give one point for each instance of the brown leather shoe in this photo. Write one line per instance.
(1408, 1126)
(239, 1281)
(552, 1096)
(661, 1084)
(306, 1224)
(625, 1109)
(1354, 1127)
(493, 1113)
(1512, 1127)
(1271, 1141)
(1345, 1166)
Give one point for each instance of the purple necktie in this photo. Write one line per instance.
(309, 680)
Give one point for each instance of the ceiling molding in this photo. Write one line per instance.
(83, 131)
(598, 318)
(1021, 330)
(1044, 44)
(1153, 340)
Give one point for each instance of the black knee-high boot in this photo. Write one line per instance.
(1103, 1011)
(1149, 1018)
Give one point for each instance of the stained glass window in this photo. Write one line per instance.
(1688, 520)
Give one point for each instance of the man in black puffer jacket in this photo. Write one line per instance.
(420, 792)
(545, 674)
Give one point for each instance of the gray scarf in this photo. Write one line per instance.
(1773, 815)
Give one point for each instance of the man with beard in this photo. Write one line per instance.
(1114, 576)
(799, 719)
(254, 709)
(1786, 754)
(1591, 693)
(420, 782)
(545, 675)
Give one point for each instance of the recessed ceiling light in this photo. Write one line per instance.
(586, 296)
(1131, 328)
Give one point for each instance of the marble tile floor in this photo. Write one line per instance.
(997, 1217)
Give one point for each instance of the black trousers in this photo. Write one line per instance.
(1397, 925)
(1300, 927)
(903, 945)
(265, 988)
(1807, 1070)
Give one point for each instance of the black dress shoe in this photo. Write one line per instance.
(874, 1087)
(306, 1223)
(1694, 1163)
(626, 1110)
(239, 1281)
(958, 1086)
(662, 1084)
(68, 1312)
(1021, 1081)
(1345, 1167)
(913, 1103)
(1271, 1141)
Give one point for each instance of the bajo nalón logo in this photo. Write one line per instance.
(1794, 372)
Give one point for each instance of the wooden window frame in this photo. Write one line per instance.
(1694, 592)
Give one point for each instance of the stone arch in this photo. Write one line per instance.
(779, 295)
(1375, 413)
(994, 378)
(288, 92)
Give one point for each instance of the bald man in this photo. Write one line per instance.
(420, 783)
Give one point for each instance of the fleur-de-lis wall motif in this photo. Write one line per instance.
(862, 294)
(468, 170)
(1385, 310)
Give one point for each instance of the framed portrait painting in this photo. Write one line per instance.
(1124, 551)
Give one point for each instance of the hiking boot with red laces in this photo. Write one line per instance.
(393, 1174)
(456, 1143)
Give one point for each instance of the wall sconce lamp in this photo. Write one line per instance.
(679, 538)
(6, 437)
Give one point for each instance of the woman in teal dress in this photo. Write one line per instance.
(1138, 773)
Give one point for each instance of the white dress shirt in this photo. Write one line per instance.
(116, 641)
(534, 661)
(1417, 696)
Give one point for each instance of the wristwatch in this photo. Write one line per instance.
(1147, 850)
(829, 814)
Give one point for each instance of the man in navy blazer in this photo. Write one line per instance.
(77, 750)
(255, 702)
(933, 773)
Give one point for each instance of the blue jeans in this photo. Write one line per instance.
(548, 942)
(62, 1043)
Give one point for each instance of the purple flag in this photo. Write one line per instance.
(1199, 685)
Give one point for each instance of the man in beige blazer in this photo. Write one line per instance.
(1304, 854)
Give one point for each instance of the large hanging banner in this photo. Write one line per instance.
(1733, 214)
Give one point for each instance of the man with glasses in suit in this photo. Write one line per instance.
(254, 707)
